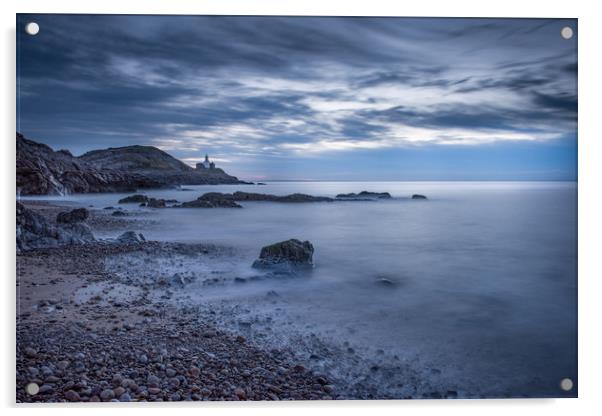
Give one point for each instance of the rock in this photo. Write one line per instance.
(242, 395)
(30, 352)
(130, 237)
(107, 394)
(365, 195)
(222, 200)
(46, 389)
(119, 214)
(297, 197)
(153, 380)
(194, 372)
(73, 216)
(34, 231)
(286, 254)
(42, 171)
(118, 391)
(72, 396)
(214, 203)
(125, 397)
(322, 380)
(134, 199)
(156, 203)
(418, 196)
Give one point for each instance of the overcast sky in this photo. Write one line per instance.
(309, 98)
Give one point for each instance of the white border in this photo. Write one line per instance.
(590, 209)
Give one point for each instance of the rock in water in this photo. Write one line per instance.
(134, 199)
(365, 195)
(418, 196)
(156, 203)
(213, 203)
(71, 217)
(286, 254)
(130, 237)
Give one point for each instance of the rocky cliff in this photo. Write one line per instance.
(43, 171)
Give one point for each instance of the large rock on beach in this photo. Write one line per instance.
(287, 254)
(73, 216)
(131, 237)
(34, 231)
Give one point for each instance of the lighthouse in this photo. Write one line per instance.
(206, 164)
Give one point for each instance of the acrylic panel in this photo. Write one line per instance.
(305, 208)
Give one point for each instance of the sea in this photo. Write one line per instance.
(472, 291)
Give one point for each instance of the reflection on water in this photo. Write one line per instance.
(484, 274)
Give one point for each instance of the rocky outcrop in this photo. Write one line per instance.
(43, 171)
(71, 217)
(156, 203)
(418, 196)
(286, 255)
(209, 203)
(134, 199)
(156, 165)
(365, 195)
(256, 197)
(34, 231)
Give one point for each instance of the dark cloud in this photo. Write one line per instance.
(278, 84)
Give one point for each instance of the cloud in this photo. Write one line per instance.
(278, 86)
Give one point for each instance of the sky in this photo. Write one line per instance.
(309, 98)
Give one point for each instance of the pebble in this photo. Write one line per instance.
(240, 393)
(107, 395)
(72, 396)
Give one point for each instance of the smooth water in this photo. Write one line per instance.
(485, 274)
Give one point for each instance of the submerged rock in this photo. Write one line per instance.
(418, 196)
(73, 216)
(134, 199)
(365, 195)
(119, 214)
(286, 254)
(383, 281)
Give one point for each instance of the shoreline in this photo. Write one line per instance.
(84, 335)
